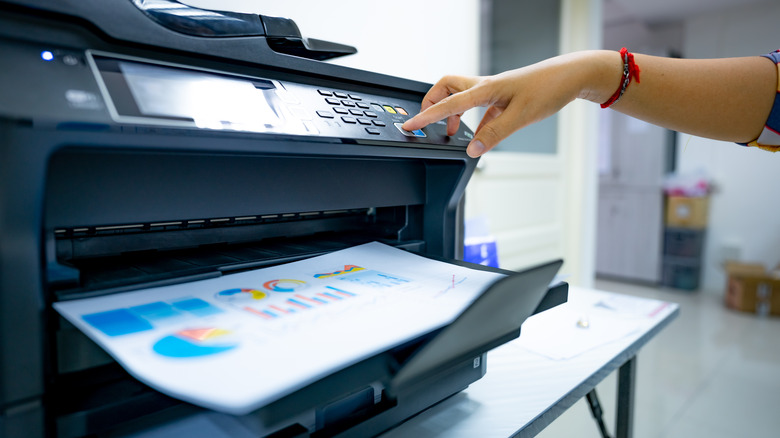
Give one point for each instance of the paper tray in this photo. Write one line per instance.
(415, 356)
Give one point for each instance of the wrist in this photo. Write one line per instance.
(600, 71)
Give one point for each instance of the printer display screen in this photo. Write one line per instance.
(145, 92)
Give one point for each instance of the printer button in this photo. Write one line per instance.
(332, 101)
(339, 110)
(325, 114)
(355, 112)
(415, 133)
(348, 103)
(325, 93)
(378, 123)
(362, 105)
(350, 120)
(373, 131)
(370, 114)
(364, 121)
(340, 94)
(355, 97)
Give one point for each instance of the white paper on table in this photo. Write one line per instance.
(583, 324)
(630, 307)
(239, 342)
(567, 331)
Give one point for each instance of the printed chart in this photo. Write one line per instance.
(265, 326)
(195, 343)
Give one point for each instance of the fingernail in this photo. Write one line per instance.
(475, 149)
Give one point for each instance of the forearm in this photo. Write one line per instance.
(725, 99)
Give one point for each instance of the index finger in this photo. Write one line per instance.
(438, 110)
(445, 87)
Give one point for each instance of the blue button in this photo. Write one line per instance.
(415, 133)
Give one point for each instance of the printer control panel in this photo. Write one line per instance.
(351, 109)
(144, 92)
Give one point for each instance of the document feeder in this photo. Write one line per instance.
(141, 145)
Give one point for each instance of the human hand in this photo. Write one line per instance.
(514, 99)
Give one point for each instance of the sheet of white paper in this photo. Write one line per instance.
(579, 326)
(557, 335)
(241, 341)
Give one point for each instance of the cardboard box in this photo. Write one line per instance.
(686, 212)
(751, 288)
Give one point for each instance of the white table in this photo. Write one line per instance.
(524, 391)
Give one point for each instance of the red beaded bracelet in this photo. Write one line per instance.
(630, 69)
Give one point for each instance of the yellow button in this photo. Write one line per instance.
(401, 111)
(389, 109)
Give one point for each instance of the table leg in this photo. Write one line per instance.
(625, 399)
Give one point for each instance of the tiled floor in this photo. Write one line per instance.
(711, 373)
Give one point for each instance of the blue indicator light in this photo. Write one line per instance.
(47, 55)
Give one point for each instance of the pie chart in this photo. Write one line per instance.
(241, 294)
(285, 285)
(196, 342)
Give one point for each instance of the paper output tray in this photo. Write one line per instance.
(412, 377)
(494, 318)
(440, 365)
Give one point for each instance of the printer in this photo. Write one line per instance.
(147, 143)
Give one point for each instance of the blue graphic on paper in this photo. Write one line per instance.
(140, 318)
(374, 279)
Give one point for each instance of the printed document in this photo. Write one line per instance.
(240, 341)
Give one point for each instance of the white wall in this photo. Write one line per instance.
(421, 40)
(745, 212)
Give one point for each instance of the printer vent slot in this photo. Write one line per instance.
(202, 223)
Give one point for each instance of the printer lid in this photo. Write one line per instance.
(282, 34)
